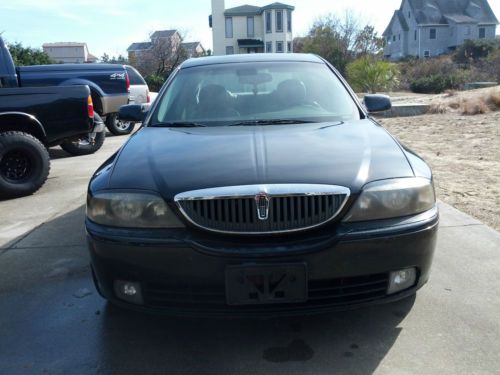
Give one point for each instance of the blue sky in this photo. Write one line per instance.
(112, 25)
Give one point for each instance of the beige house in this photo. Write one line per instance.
(194, 49)
(69, 52)
(164, 45)
(251, 29)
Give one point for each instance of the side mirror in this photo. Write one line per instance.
(133, 112)
(377, 103)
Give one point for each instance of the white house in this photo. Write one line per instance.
(251, 29)
(69, 52)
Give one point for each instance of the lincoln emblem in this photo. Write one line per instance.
(262, 202)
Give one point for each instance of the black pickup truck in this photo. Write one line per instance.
(109, 83)
(35, 118)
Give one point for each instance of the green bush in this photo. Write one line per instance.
(436, 84)
(474, 50)
(154, 81)
(369, 74)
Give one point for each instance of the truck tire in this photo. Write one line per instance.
(118, 127)
(85, 145)
(24, 164)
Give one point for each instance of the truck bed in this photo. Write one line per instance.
(61, 110)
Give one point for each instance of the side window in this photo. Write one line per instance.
(289, 20)
(135, 77)
(229, 50)
(269, 20)
(482, 33)
(279, 47)
(432, 34)
(229, 27)
(415, 36)
(269, 47)
(250, 27)
(289, 47)
(279, 21)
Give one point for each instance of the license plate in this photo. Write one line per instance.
(266, 284)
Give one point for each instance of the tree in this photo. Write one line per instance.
(340, 40)
(23, 56)
(474, 50)
(114, 60)
(164, 55)
(369, 74)
(368, 42)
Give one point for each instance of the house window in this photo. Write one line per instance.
(279, 47)
(394, 38)
(229, 50)
(269, 47)
(415, 35)
(229, 27)
(409, 14)
(250, 27)
(399, 36)
(427, 53)
(279, 21)
(269, 22)
(432, 34)
(482, 33)
(289, 48)
(289, 21)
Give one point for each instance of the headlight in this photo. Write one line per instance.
(131, 210)
(393, 198)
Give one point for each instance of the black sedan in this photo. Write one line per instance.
(259, 184)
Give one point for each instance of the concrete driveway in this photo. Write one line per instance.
(53, 322)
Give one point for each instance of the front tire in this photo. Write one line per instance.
(118, 127)
(24, 164)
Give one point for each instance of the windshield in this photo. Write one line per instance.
(254, 93)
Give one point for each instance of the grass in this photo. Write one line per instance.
(437, 108)
(493, 100)
(473, 107)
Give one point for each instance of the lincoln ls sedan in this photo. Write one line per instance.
(260, 185)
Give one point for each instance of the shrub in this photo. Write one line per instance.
(369, 74)
(436, 84)
(473, 50)
(154, 81)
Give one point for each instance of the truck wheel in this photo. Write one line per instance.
(24, 164)
(84, 146)
(118, 127)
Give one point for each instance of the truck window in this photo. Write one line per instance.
(135, 77)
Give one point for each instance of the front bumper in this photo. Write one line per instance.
(182, 273)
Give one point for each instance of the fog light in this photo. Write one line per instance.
(129, 291)
(401, 280)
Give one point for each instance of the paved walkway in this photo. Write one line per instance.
(53, 322)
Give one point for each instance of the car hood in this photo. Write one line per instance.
(174, 160)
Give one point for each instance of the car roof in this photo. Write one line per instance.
(254, 57)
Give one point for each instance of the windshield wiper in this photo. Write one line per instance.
(271, 122)
(180, 124)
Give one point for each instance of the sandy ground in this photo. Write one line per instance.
(464, 153)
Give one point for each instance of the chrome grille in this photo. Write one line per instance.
(303, 207)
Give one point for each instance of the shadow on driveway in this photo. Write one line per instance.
(52, 321)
